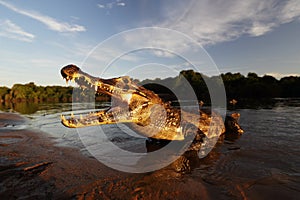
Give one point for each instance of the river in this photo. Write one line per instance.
(264, 163)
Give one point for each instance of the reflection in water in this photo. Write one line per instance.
(20, 107)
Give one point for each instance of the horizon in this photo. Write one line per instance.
(231, 36)
(276, 76)
(73, 84)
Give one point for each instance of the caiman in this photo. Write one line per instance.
(146, 113)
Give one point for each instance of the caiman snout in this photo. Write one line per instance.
(69, 71)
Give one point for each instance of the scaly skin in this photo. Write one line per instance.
(144, 111)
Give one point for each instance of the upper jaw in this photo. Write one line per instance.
(84, 80)
(115, 87)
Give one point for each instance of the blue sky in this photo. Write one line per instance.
(39, 37)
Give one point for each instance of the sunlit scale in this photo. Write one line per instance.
(140, 108)
(127, 97)
(84, 80)
(140, 105)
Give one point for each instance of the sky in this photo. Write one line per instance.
(147, 38)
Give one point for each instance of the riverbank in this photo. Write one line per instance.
(33, 166)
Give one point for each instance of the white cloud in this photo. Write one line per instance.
(101, 5)
(258, 29)
(10, 30)
(112, 4)
(290, 11)
(211, 22)
(121, 4)
(51, 23)
(163, 42)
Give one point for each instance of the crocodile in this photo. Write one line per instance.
(147, 113)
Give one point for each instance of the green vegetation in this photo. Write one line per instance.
(32, 93)
(237, 86)
(27, 98)
(253, 86)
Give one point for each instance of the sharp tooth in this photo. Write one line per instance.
(72, 115)
(62, 117)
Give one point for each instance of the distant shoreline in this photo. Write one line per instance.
(237, 86)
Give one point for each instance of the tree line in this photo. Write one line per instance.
(237, 86)
(32, 93)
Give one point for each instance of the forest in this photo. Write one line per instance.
(237, 86)
(32, 93)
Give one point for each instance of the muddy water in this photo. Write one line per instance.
(262, 164)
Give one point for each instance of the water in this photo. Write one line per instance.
(263, 163)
